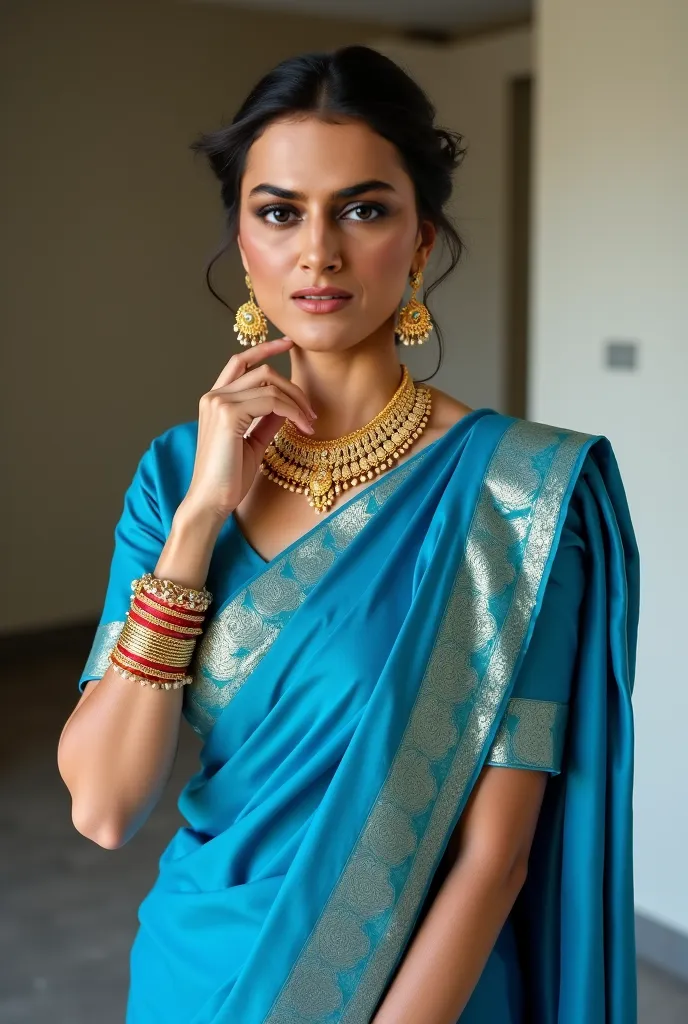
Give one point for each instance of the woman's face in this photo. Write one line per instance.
(329, 205)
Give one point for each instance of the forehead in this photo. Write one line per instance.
(316, 157)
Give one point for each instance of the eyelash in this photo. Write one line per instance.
(265, 210)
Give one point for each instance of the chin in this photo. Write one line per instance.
(325, 338)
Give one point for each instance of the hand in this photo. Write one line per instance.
(227, 455)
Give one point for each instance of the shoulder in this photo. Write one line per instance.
(526, 457)
(175, 444)
(446, 411)
(166, 465)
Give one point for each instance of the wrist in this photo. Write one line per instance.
(185, 558)
(191, 521)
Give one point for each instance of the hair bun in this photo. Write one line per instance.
(450, 147)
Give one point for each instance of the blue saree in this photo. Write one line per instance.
(476, 605)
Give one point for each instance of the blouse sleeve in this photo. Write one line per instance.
(138, 540)
(533, 727)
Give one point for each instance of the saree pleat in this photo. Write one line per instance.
(575, 913)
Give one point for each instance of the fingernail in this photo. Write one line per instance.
(314, 414)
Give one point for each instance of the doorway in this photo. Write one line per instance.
(519, 173)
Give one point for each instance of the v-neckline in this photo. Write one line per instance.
(361, 492)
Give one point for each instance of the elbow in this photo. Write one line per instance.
(103, 832)
(504, 873)
(518, 875)
(90, 818)
(510, 871)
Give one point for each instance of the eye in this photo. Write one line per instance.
(369, 211)
(280, 211)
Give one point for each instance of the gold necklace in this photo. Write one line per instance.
(323, 469)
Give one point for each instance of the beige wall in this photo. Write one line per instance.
(470, 85)
(611, 255)
(108, 333)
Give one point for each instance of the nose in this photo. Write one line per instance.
(321, 249)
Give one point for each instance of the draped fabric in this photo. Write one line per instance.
(475, 605)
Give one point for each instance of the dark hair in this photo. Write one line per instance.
(358, 82)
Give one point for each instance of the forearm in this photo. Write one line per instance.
(117, 749)
(444, 962)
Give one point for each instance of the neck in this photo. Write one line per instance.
(346, 389)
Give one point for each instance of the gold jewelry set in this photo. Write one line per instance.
(413, 324)
(323, 469)
(156, 643)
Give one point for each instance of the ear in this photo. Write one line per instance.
(242, 254)
(425, 241)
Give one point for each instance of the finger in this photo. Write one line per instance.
(240, 362)
(264, 375)
(263, 432)
(262, 401)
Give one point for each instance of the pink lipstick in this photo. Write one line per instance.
(321, 300)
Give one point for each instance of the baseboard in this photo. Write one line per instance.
(662, 946)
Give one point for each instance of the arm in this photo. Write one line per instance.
(118, 746)
(493, 838)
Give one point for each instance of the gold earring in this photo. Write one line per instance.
(251, 325)
(414, 323)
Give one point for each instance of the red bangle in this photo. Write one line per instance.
(155, 603)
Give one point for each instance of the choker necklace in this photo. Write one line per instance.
(321, 470)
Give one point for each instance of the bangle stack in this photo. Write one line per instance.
(159, 635)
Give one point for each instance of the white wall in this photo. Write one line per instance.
(611, 255)
(469, 84)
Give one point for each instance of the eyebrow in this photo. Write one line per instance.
(372, 185)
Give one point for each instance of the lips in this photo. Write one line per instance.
(321, 293)
(321, 300)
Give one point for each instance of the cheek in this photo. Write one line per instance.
(387, 259)
(269, 262)
(382, 269)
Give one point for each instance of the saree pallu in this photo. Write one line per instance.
(477, 605)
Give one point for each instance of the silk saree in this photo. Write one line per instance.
(475, 605)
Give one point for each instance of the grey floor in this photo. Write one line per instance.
(68, 907)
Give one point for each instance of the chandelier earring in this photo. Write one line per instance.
(251, 326)
(414, 323)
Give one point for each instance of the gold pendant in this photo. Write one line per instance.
(319, 488)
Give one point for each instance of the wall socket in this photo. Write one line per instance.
(621, 355)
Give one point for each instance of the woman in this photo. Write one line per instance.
(406, 701)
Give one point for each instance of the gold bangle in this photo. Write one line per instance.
(158, 657)
(154, 606)
(149, 616)
(118, 658)
(173, 685)
(180, 632)
(172, 593)
(148, 644)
